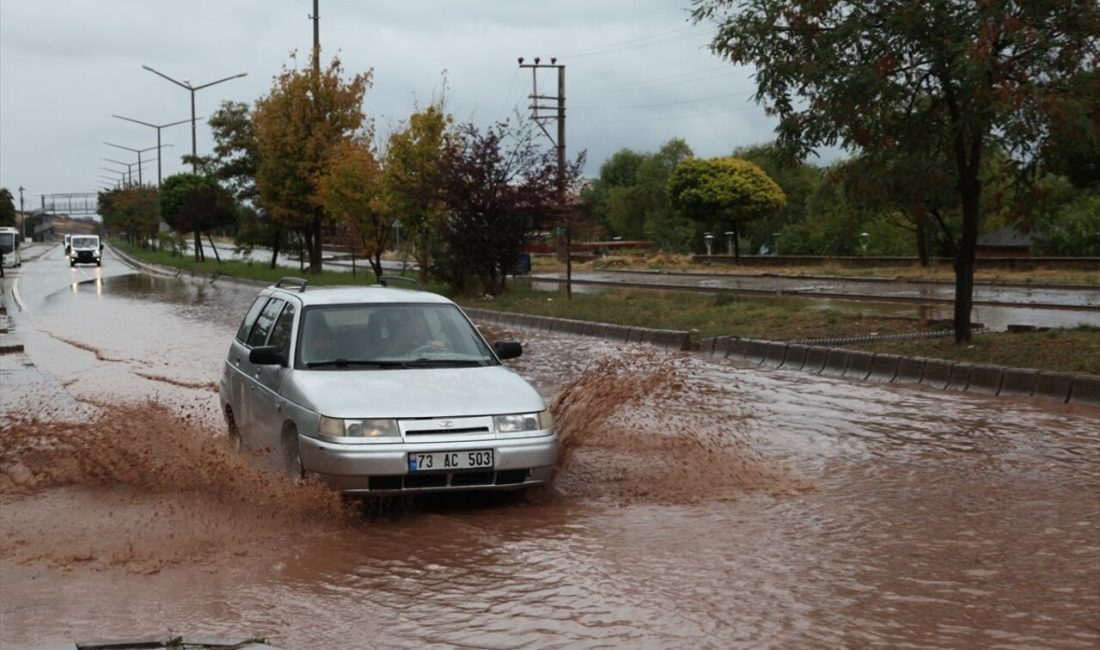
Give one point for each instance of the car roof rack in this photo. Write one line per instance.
(289, 281)
(385, 281)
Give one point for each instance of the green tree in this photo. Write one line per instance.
(1073, 231)
(414, 176)
(196, 203)
(132, 213)
(913, 78)
(7, 208)
(796, 178)
(724, 190)
(351, 192)
(298, 123)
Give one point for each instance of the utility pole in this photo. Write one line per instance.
(316, 18)
(22, 213)
(541, 118)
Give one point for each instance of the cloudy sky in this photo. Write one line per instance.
(638, 73)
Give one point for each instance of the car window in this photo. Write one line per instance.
(280, 333)
(264, 322)
(386, 332)
(250, 318)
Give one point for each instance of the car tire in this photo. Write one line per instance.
(72, 262)
(98, 263)
(234, 434)
(292, 460)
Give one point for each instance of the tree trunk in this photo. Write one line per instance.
(275, 245)
(217, 257)
(970, 192)
(199, 255)
(922, 239)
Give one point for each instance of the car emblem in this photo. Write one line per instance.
(446, 424)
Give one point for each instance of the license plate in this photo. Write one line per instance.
(447, 461)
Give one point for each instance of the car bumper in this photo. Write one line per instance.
(383, 468)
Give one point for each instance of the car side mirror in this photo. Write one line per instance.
(508, 349)
(267, 355)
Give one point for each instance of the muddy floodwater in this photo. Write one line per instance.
(698, 503)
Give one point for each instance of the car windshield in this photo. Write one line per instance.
(84, 242)
(386, 336)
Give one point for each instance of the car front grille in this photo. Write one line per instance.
(446, 432)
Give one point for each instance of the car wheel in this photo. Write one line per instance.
(234, 433)
(98, 263)
(72, 262)
(292, 460)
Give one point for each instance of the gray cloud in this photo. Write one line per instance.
(638, 73)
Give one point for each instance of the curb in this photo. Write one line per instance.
(984, 379)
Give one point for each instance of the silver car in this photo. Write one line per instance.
(382, 390)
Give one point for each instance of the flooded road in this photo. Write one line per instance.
(700, 503)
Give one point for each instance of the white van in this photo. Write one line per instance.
(85, 249)
(9, 246)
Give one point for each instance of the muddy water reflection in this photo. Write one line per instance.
(703, 504)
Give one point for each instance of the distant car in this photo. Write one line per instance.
(379, 390)
(85, 249)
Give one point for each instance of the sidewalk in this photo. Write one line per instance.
(25, 389)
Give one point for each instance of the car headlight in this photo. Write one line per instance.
(377, 430)
(523, 422)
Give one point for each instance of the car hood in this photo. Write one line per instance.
(416, 392)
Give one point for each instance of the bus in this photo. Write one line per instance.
(9, 246)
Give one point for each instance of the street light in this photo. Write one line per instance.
(729, 242)
(129, 168)
(187, 85)
(707, 239)
(864, 239)
(138, 152)
(158, 127)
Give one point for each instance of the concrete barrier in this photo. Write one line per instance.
(796, 357)
(859, 364)
(985, 379)
(910, 369)
(1085, 390)
(884, 367)
(937, 374)
(960, 376)
(776, 353)
(1018, 382)
(756, 350)
(1053, 385)
(836, 362)
(979, 378)
(815, 359)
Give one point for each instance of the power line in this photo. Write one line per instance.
(663, 104)
(660, 38)
(660, 82)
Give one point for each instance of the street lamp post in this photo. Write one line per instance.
(864, 239)
(158, 127)
(22, 213)
(129, 168)
(707, 239)
(186, 84)
(138, 152)
(729, 242)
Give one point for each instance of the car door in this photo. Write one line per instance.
(238, 368)
(267, 399)
(252, 433)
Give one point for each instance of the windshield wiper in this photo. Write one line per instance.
(359, 363)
